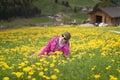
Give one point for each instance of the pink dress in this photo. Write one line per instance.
(53, 45)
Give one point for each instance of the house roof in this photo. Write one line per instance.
(112, 11)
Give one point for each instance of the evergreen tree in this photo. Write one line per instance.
(56, 1)
(116, 2)
(14, 8)
(105, 3)
(67, 4)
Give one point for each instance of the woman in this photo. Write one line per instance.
(59, 43)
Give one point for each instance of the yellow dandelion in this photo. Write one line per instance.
(47, 77)
(38, 64)
(103, 54)
(52, 65)
(18, 74)
(118, 70)
(96, 76)
(91, 55)
(46, 69)
(6, 78)
(29, 77)
(113, 60)
(22, 64)
(41, 73)
(54, 61)
(53, 77)
(31, 72)
(108, 67)
(27, 69)
(93, 68)
(56, 70)
(113, 77)
(33, 66)
(33, 78)
(5, 65)
(63, 61)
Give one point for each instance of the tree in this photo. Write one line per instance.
(106, 3)
(116, 2)
(67, 4)
(75, 9)
(14, 8)
(63, 3)
(56, 1)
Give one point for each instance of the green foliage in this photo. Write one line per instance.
(50, 7)
(107, 3)
(19, 22)
(56, 1)
(14, 8)
(116, 2)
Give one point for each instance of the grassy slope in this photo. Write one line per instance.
(49, 7)
(81, 2)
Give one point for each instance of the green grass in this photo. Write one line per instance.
(19, 22)
(94, 52)
(48, 6)
(81, 2)
(83, 67)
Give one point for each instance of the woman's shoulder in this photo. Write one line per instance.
(55, 38)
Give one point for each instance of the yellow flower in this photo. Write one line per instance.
(113, 60)
(31, 72)
(56, 70)
(93, 68)
(27, 69)
(118, 70)
(41, 73)
(18, 74)
(112, 78)
(108, 67)
(91, 55)
(38, 63)
(52, 65)
(33, 78)
(22, 64)
(47, 77)
(53, 77)
(6, 78)
(63, 61)
(29, 77)
(46, 69)
(103, 54)
(96, 76)
(5, 65)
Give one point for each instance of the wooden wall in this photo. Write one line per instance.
(105, 18)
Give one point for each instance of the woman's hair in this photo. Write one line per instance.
(67, 35)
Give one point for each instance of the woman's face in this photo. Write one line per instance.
(62, 39)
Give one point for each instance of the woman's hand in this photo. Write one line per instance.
(50, 53)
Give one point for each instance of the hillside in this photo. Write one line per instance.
(49, 7)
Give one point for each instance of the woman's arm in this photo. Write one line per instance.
(47, 47)
(66, 50)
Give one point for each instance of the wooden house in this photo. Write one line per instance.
(108, 15)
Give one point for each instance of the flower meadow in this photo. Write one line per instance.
(95, 54)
